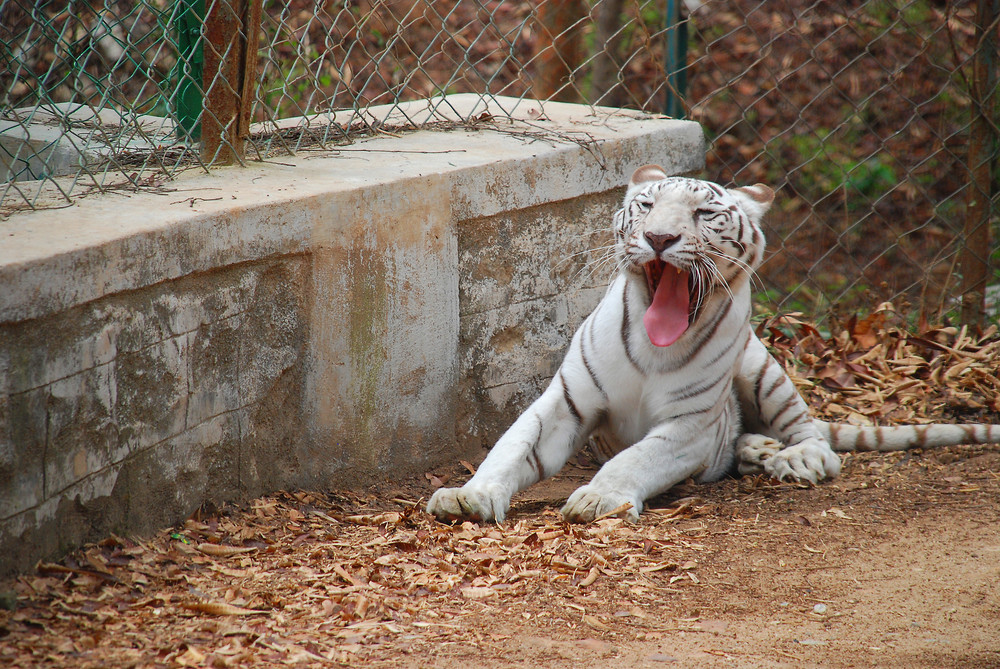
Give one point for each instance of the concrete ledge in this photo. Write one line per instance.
(326, 319)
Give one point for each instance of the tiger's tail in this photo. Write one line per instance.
(845, 437)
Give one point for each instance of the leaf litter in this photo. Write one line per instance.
(305, 576)
(340, 578)
(874, 371)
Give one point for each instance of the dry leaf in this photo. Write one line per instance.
(478, 593)
(595, 622)
(390, 517)
(222, 609)
(218, 550)
(590, 577)
(834, 511)
(437, 481)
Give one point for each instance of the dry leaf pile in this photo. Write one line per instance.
(303, 578)
(872, 371)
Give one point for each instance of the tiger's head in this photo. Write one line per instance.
(687, 239)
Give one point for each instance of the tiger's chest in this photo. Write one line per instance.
(642, 402)
(690, 381)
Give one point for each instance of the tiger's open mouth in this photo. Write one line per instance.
(669, 313)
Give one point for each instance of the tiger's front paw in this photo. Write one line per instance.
(587, 503)
(474, 502)
(809, 460)
(753, 450)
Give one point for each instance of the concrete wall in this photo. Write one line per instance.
(321, 321)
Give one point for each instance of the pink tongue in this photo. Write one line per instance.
(667, 317)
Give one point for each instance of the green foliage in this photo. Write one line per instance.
(652, 13)
(871, 177)
(824, 162)
(295, 82)
(886, 14)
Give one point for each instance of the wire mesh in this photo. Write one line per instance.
(863, 114)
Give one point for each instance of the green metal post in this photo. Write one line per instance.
(676, 60)
(187, 98)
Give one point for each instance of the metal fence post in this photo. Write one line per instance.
(676, 35)
(982, 158)
(559, 50)
(232, 30)
(187, 94)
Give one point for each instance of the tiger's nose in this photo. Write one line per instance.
(660, 243)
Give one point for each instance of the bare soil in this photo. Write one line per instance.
(894, 564)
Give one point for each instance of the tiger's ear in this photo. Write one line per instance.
(759, 193)
(643, 176)
(647, 173)
(755, 199)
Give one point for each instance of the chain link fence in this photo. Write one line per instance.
(876, 121)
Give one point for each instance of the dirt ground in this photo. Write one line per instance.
(894, 564)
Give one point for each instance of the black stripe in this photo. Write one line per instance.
(707, 336)
(780, 381)
(789, 403)
(590, 369)
(718, 356)
(695, 389)
(788, 423)
(721, 427)
(758, 380)
(569, 400)
(794, 438)
(861, 443)
(696, 412)
(625, 328)
(536, 461)
(728, 349)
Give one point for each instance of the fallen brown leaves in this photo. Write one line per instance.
(316, 578)
(872, 370)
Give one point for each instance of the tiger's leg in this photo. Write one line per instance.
(669, 454)
(788, 446)
(536, 446)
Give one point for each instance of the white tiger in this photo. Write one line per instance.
(667, 375)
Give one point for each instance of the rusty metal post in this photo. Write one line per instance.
(559, 49)
(232, 31)
(605, 89)
(975, 257)
(248, 77)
